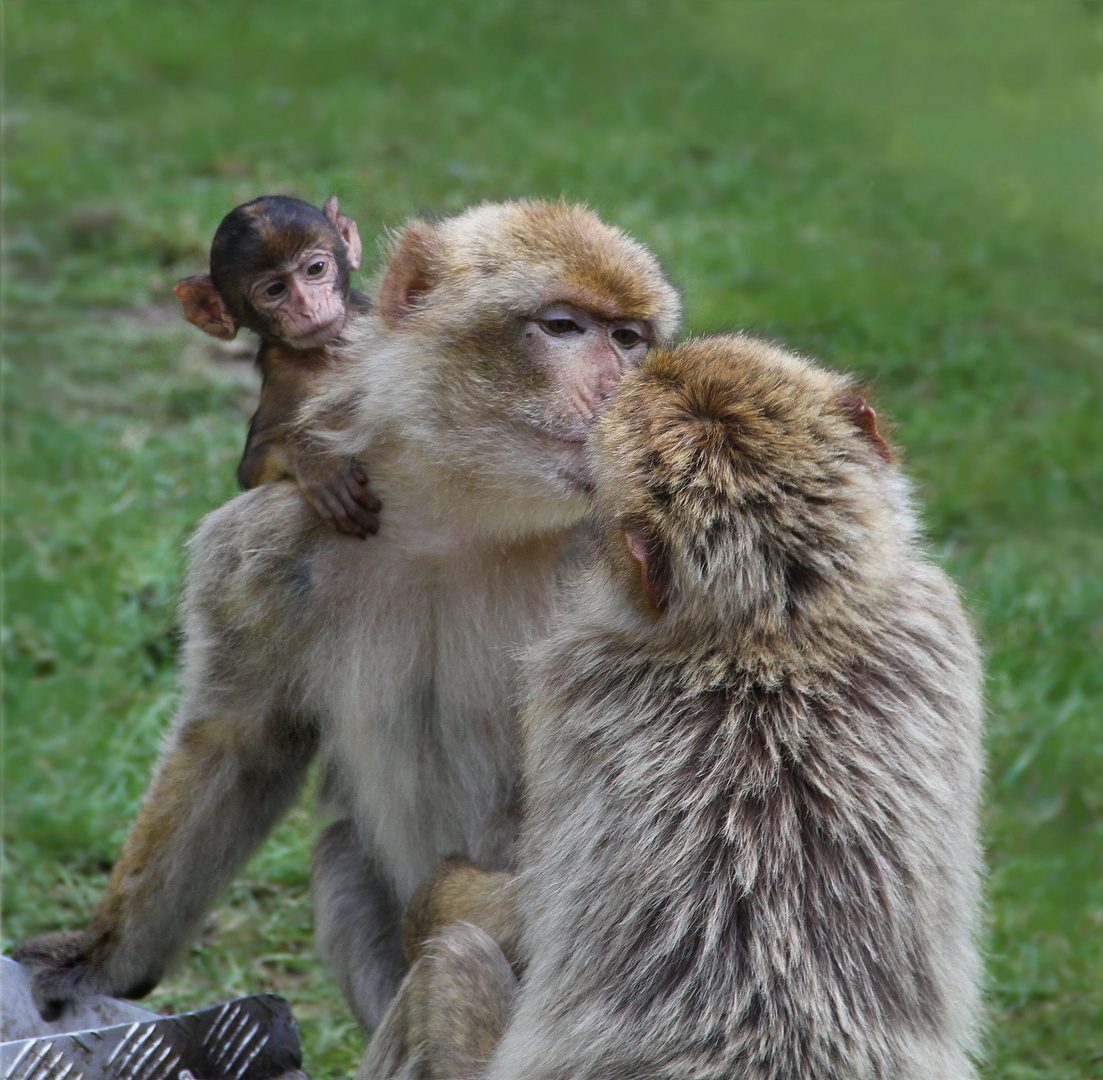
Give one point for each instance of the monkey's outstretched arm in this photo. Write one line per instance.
(221, 785)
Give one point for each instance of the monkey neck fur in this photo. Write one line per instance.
(740, 628)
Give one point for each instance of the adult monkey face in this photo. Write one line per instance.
(529, 313)
(583, 356)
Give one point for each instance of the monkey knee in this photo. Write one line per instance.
(335, 845)
(469, 951)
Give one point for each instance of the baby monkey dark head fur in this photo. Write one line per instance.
(279, 266)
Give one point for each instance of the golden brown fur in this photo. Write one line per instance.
(458, 892)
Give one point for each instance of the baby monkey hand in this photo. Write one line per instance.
(339, 492)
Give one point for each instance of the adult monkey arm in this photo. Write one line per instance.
(470, 388)
(235, 761)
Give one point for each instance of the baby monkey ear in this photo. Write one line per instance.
(862, 413)
(654, 567)
(204, 307)
(350, 234)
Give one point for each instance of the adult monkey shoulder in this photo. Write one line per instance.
(493, 342)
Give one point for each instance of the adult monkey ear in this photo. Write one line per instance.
(350, 234)
(411, 273)
(204, 306)
(863, 415)
(654, 568)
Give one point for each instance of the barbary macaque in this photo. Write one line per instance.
(469, 388)
(752, 755)
(280, 267)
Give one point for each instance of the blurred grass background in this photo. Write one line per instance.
(908, 190)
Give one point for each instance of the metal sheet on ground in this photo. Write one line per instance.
(253, 1038)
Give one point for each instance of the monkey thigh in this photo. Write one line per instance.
(356, 922)
(449, 1014)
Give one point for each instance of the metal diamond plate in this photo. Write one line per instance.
(253, 1038)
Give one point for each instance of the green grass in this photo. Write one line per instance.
(908, 190)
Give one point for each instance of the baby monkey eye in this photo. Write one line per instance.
(274, 289)
(314, 269)
(561, 326)
(627, 338)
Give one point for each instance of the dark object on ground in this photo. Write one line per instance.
(253, 1038)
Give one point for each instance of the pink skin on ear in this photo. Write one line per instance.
(350, 234)
(862, 413)
(203, 307)
(652, 585)
(409, 275)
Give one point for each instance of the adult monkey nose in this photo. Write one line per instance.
(608, 370)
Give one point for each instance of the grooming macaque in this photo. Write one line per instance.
(281, 268)
(751, 766)
(470, 388)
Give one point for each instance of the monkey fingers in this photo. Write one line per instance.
(358, 486)
(345, 503)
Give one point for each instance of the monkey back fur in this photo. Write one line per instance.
(750, 839)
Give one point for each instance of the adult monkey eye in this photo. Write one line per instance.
(275, 289)
(626, 337)
(561, 326)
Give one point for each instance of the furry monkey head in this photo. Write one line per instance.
(505, 329)
(737, 481)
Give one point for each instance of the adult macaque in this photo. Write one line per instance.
(281, 268)
(470, 388)
(751, 764)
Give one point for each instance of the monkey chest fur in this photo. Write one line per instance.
(412, 673)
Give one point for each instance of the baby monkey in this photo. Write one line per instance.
(751, 768)
(280, 267)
